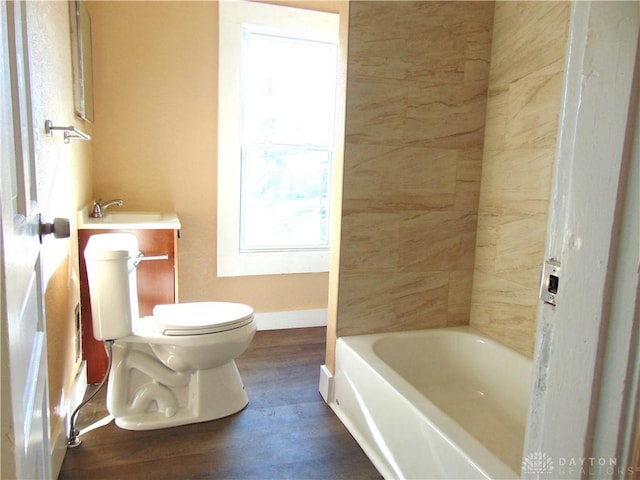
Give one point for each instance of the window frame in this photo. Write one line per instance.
(310, 24)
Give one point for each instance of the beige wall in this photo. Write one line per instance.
(416, 93)
(527, 64)
(155, 142)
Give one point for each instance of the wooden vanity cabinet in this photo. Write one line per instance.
(157, 284)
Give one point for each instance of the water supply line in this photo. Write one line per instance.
(74, 433)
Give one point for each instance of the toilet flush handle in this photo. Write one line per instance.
(142, 258)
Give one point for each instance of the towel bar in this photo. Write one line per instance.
(69, 132)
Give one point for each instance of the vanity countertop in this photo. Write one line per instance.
(120, 219)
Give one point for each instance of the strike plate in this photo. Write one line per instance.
(550, 282)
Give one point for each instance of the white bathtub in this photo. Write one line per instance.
(441, 403)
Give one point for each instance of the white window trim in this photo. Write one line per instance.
(232, 15)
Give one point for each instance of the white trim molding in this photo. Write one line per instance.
(291, 319)
(325, 386)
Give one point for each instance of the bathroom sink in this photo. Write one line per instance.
(118, 219)
(132, 217)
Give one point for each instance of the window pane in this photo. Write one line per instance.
(284, 201)
(288, 90)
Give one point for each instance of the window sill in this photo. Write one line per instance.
(272, 263)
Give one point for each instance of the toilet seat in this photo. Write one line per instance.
(200, 318)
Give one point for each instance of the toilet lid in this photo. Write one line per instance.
(201, 317)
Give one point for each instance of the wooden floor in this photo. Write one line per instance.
(286, 431)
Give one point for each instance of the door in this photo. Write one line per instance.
(25, 404)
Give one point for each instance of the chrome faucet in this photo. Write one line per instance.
(99, 208)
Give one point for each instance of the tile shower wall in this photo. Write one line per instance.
(416, 96)
(525, 86)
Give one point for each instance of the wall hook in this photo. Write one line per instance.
(69, 132)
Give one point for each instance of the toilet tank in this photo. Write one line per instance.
(111, 272)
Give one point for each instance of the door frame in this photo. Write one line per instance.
(588, 343)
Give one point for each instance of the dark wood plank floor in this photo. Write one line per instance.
(286, 431)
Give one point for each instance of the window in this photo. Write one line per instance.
(277, 108)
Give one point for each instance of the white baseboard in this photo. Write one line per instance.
(291, 319)
(59, 434)
(326, 384)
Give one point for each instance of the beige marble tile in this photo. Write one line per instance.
(471, 20)
(429, 41)
(468, 176)
(530, 123)
(375, 170)
(370, 242)
(381, 19)
(518, 180)
(446, 116)
(505, 311)
(514, 209)
(475, 70)
(496, 118)
(383, 65)
(493, 288)
(376, 110)
(436, 56)
(377, 51)
(485, 251)
(514, 327)
(392, 301)
(438, 240)
(528, 37)
(519, 249)
(459, 298)
(398, 203)
(477, 61)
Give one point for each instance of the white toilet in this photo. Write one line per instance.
(174, 367)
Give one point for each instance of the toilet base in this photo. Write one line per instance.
(213, 393)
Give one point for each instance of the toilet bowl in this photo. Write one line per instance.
(174, 367)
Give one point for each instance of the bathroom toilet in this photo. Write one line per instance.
(174, 367)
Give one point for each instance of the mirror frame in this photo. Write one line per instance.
(81, 59)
